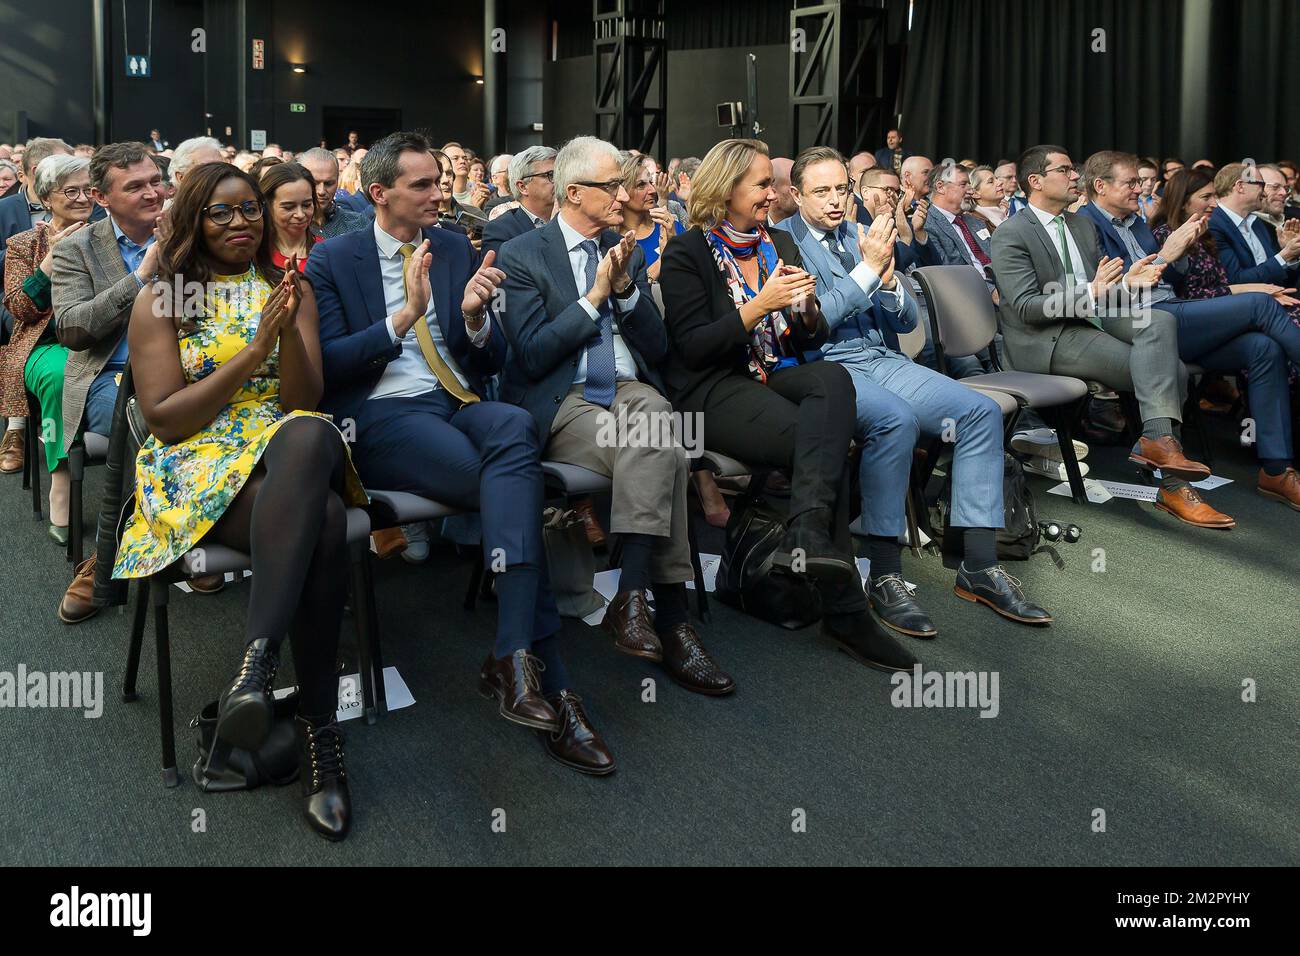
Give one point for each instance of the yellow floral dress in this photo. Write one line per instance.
(182, 489)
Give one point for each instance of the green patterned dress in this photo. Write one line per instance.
(182, 489)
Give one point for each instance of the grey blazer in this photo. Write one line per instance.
(92, 294)
(946, 240)
(1027, 268)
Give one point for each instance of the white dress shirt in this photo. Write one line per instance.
(624, 364)
(862, 273)
(409, 375)
(1247, 229)
(1076, 258)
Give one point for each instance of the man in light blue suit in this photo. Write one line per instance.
(897, 400)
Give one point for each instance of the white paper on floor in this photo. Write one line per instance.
(396, 694)
(864, 571)
(1100, 492)
(230, 577)
(709, 568)
(606, 585)
(1205, 484)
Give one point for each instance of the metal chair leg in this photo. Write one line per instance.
(158, 593)
(376, 646)
(138, 620)
(361, 618)
(32, 456)
(475, 580)
(77, 472)
(1065, 415)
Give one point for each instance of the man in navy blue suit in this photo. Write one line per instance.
(531, 175)
(586, 340)
(866, 303)
(407, 341)
(1227, 333)
(1248, 246)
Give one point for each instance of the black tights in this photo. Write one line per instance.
(294, 526)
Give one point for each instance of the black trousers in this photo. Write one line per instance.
(803, 419)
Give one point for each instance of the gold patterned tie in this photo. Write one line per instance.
(446, 377)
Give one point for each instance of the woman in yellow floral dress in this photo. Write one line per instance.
(225, 356)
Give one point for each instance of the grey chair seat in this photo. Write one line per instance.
(96, 446)
(1006, 402)
(403, 507)
(722, 466)
(1031, 388)
(574, 479)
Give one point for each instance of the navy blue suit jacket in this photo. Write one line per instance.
(505, 227)
(549, 330)
(1235, 254)
(1112, 245)
(355, 344)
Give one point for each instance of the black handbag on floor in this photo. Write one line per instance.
(230, 768)
(747, 579)
(1019, 534)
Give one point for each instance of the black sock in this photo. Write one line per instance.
(1274, 466)
(981, 548)
(671, 608)
(886, 555)
(634, 567)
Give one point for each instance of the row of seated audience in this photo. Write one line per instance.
(784, 289)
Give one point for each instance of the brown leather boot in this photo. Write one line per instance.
(76, 605)
(11, 451)
(590, 524)
(1284, 487)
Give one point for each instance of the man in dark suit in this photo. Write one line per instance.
(893, 155)
(532, 182)
(407, 342)
(1066, 310)
(960, 238)
(585, 340)
(1248, 247)
(1225, 333)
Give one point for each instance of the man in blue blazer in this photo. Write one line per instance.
(1226, 333)
(866, 304)
(1248, 246)
(407, 341)
(585, 341)
(531, 175)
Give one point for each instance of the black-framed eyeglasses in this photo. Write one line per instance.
(73, 193)
(1251, 182)
(250, 210)
(611, 186)
(549, 176)
(893, 192)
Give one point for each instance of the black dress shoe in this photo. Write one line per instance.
(892, 600)
(689, 664)
(1000, 591)
(628, 619)
(245, 710)
(577, 744)
(865, 640)
(807, 548)
(513, 682)
(324, 778)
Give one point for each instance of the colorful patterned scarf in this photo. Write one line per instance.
(767, 337)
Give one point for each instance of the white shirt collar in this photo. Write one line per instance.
(950, 216)
(389, 246)
(573, 238)
(817, 231)
(1238, 221)
(1045, 217)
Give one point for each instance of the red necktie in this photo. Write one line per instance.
(975, 249)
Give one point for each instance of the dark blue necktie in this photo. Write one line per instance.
(838, 250)
(601, 373)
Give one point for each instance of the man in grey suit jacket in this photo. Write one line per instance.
(1067, 310)
(863, 300)
(959, 237)
(585, 339)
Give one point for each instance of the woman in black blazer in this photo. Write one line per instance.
(741, 314)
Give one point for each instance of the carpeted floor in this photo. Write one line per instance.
(1131, 703)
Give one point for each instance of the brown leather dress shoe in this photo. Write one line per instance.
(1166, 454)
(689, 664)
(388, 542)
(513, 682)
(1284, 487)
(11, 451)
(628, 619)
(577, 744)
(208, 583)
(1186, 505)
(76, 605)
(595, 533)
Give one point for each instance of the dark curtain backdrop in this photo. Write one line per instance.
(1254, 110)
(988, 78)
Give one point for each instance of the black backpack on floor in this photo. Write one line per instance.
(1019, 535)
(747, 579)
